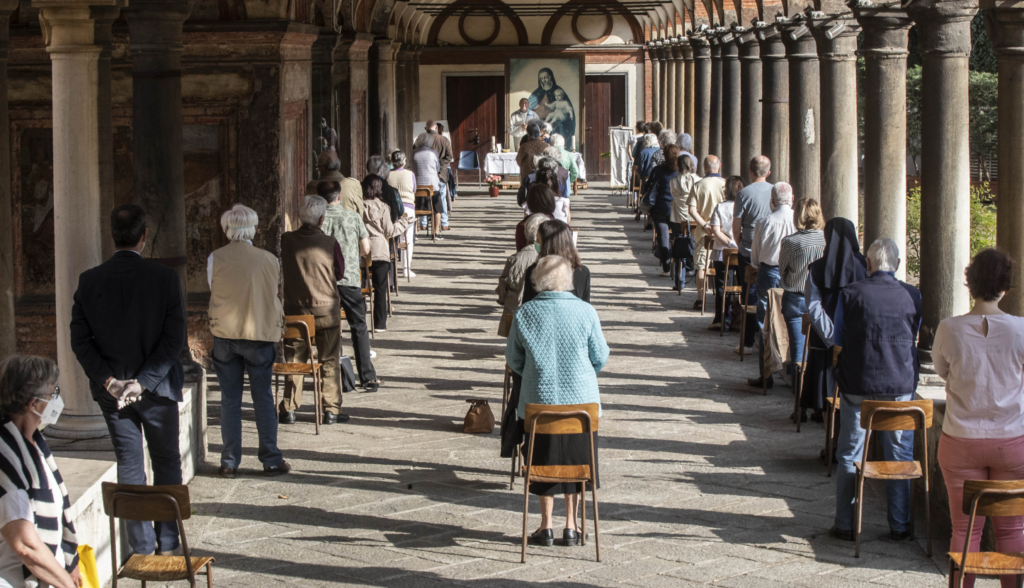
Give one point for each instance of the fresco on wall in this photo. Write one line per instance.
(203, 199)
(553, 88)
(36, 212)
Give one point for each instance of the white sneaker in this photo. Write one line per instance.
(381, 330)
(373, 354)
(746, 351)
(408, 274)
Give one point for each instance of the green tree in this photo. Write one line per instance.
(983, 224)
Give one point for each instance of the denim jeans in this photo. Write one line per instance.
(444, 203)
(767, 278)
(156, 417)
(794, 306)
(232, 359)
(896, 446)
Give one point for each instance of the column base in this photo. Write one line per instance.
(79, 428)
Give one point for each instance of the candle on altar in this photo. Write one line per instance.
(493, 144)
(574, 142)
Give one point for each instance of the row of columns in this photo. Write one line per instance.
(789, 90)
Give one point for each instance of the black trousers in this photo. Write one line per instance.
(720, 275)
(355, 313)
(741, 277)
(664, 248)
(379, 271)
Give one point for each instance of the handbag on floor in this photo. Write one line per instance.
(479, 419)
(348, 375)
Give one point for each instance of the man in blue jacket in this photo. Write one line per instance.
(127, 331)
(876, 325)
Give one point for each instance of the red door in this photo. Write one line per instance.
(605, 97)
(476, 112)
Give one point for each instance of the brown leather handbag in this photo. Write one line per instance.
(479, 419)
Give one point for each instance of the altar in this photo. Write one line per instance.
(504, 164)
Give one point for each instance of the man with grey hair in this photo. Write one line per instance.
(704, 197)
(685, 143)
(764, 255)
(247, 321)
(312, 264)
(531, 146)
(551, 162)
(876, 325)
(753, 203)
(565, 157)
(445, 156)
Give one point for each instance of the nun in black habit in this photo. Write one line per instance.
(840, 264)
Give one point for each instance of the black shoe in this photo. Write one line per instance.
(370, 387)
(226, 472)
(840, 534)
(803, 416)
(287, 417)
(543, 537)
(332, 419)
(570, 538)
(757, 383)
(896, 536)
(817, 417)
(282, 468)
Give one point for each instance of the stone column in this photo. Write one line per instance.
(715, 124)
(1009, 46)
(351, 83)
(322, 90)
(688, 82)
(382, 97)
(944, 41)
(78, 221)
(8, 328)
(402, 95)
(414, 82)
(158, 166)
(701, 96)
(731, 112)
(837, 43)
(885, 124)
(750, 100)
(104, 17)
(774, 102)
(669, 67)
(804, 112)
(662, 83)
(678, 116)
(655, 81)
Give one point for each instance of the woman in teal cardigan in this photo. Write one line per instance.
(557, 346)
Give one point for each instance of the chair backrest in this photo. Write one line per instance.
(299, 326)
(146, 503)
(365, 262)
(424, 192)
(881, 415)
(709, 242)
(805, 324)
(731, 257)
(573, 418)
(995, 498)
(468, 160)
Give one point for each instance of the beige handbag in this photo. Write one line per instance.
(479, 419)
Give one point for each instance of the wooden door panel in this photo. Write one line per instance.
(605, 99)
(476, 112)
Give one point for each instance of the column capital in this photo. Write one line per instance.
(677, 50)
(885, 30)
(944, 27)
(353, 47)
(769, 38)
(701, 48)
(836, 37)
(686, 48)
(155, 26)
(1005, 26)
(729, 44)
(798, 40)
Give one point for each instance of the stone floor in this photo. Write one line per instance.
(703, 482)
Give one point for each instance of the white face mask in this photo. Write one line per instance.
(52, 411)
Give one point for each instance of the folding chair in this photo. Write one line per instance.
(153, 503)
(366, 286)
(301, 327)
(877, 415)
(988, 498)
(709, 272)
(427, 193)
(564, 419)
(469, 161)
(731, 259)
(799, 367)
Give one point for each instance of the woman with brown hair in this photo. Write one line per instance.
(555, 238)
(661, 199)
(377, 217)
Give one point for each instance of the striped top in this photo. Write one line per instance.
(29, 474)
(795, 256)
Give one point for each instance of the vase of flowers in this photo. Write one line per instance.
(494, 185)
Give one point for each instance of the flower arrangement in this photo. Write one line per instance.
(494, 181)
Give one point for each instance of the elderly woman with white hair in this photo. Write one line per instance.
(646, 159)
(404, 181)
(556, 345)
(247, 320)
(565, 157)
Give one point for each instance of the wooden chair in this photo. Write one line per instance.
(562, 420)
(633, 195)
(830, 414)
(988, 498)
(731, 259)
(395, 247)
(800, 367)
(366, 286)
(749, 310)
(153, 503)
(302, 327)
(877, 415)
(709, 272)
(428, 193)
(506, 390)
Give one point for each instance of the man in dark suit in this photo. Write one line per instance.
(127, 331)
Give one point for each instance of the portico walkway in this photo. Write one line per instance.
(702, 482)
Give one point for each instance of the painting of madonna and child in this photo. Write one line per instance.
(552, 87)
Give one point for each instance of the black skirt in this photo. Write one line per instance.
(561, 450)
(819, 379)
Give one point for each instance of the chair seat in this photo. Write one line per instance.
(990, 562)
(423, 213)
(294, 369)
(734, 289)
(891, 470)
(558, 473)
(751, 309)
(160, 568)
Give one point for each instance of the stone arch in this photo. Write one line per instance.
(461, 5)
(577, 5)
